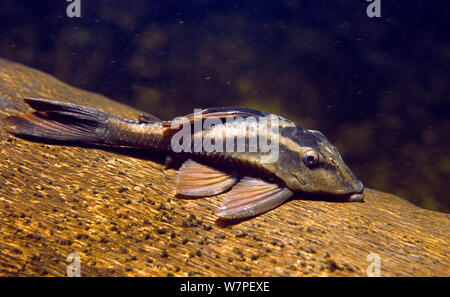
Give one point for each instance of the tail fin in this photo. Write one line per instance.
(61, 121)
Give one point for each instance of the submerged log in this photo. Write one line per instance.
(117, 210)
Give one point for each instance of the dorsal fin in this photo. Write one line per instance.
(221, 113)
(198, 180)
(148, 118)
(252, 196)
(227, 112)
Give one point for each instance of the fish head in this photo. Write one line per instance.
(308, 162)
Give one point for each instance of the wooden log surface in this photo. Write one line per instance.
(117, 209)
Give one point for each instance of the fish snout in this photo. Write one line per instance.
(358, 194)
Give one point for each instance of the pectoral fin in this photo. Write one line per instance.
(195, 179)
(252, 196)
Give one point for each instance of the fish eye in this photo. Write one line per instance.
(310, 157)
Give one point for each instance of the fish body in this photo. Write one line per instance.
(224, 153)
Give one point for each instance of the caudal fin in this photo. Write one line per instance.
(56, 120)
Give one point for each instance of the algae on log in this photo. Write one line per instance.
(117, 209)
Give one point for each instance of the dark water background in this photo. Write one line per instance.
(378, 88)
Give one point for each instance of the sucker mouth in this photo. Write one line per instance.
(356, 197)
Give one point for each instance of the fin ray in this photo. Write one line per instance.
(57, 120)
(195, 179)
(252, 196)
(39, 124)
